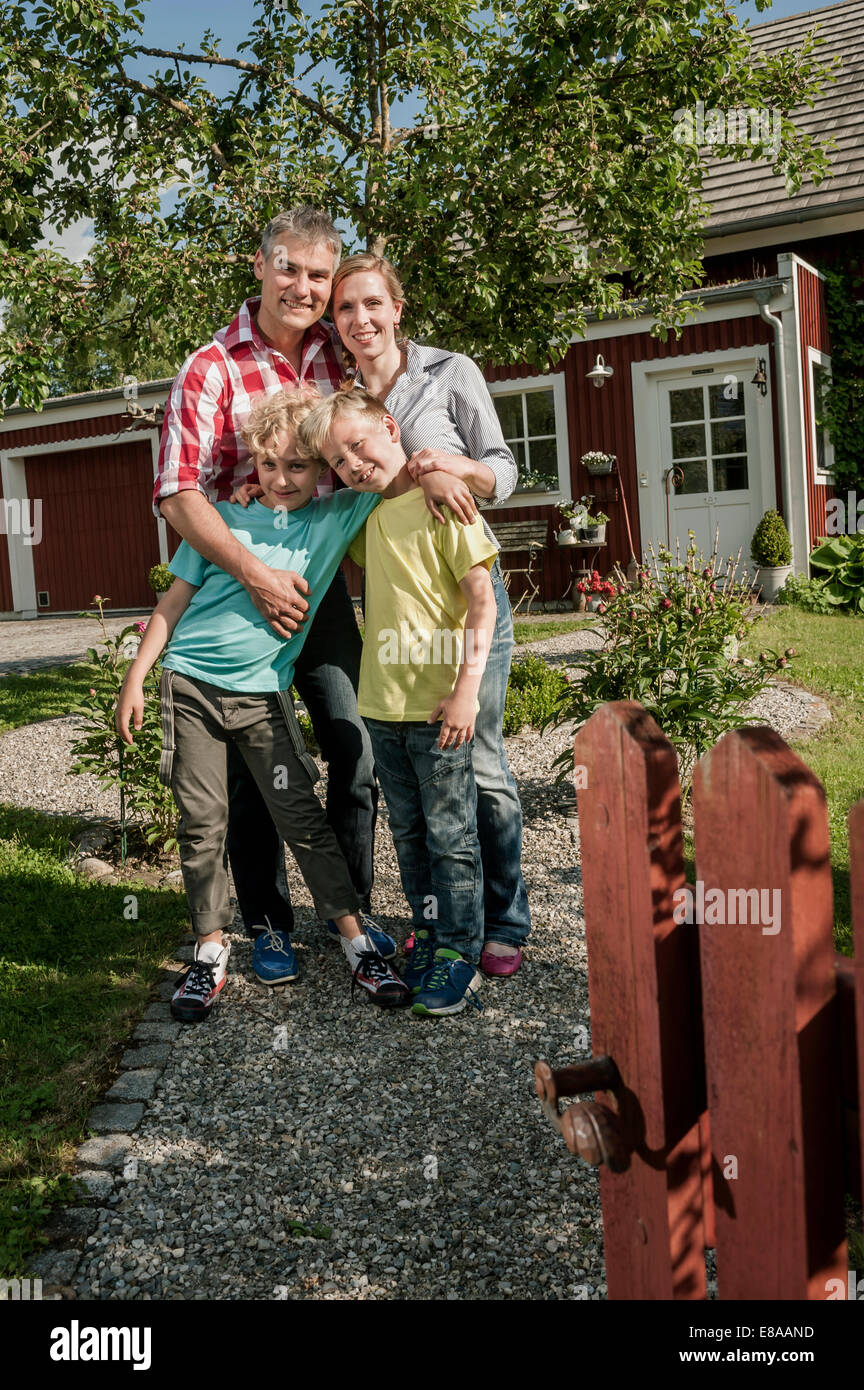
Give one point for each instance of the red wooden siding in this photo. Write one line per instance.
(813, 327)
(54, 431)
(99, 533)
(603, 419)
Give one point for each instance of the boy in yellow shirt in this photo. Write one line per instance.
(430, 613)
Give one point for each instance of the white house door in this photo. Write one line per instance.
(710, 471)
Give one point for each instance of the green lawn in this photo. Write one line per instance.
(830, 663)
(74, 973)
(43, 695)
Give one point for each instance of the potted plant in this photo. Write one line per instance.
(537, 482)
(771, 550)
(597, 463)
(160, 578)
(594, 527)
(593, 593)
(574, 514)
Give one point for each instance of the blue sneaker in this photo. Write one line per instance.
(421, 958)
(384, 944)
(449, 987)
(273, 958)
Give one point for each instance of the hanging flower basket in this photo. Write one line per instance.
(598, 464)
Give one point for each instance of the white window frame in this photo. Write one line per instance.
(823, 477)
(519, 386)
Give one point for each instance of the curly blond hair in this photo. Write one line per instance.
(282, 410)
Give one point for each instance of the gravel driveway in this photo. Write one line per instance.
(413, 1150)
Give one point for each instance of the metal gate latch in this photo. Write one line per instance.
(590, 1129)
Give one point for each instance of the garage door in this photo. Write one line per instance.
(99, 534)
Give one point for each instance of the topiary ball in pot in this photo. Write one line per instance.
(772, 552)
(770, 546)
(160, 578)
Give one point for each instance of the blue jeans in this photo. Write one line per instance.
(499, 812)
(432, 800)
(326, 676)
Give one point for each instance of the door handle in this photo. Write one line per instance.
(590, 1129)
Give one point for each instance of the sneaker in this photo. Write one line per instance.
(273, 958)
(202, 984)
(372, 973)
(505, 960)
(449, 986)
(384, 944)
(420, 960)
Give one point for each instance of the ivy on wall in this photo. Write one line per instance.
(843, 402)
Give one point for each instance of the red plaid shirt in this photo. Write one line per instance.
(212, 398)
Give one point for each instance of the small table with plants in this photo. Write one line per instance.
(584, 537)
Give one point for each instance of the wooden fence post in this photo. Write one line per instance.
(856, 883)
(643, 979)
(771, 1044)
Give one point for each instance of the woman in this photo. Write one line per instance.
(449, 427)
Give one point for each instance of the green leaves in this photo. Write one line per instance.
(474, 147)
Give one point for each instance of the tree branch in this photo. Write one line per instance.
(176, 105)
(257, 70)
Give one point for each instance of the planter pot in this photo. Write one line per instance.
(599, 470)
(594, 602)
(771, 581)
(597, 534)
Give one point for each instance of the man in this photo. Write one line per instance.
(276, 341)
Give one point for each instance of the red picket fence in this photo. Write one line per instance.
(732, 1052)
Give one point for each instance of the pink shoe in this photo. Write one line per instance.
(493, 964)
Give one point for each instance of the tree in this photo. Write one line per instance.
(541, 176)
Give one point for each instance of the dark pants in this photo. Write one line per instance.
(326, 678)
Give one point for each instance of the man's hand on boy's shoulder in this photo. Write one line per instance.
(443, 489)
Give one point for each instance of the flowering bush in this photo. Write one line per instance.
(596, 585)
(671, 642)
(133, 769)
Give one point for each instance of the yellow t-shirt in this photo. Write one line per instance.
(415, 610)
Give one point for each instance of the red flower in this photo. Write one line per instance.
(667, 603)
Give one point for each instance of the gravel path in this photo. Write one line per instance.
(412, 1151)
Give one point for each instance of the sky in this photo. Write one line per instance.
(169, 24)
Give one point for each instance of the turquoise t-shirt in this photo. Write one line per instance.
(222, 638)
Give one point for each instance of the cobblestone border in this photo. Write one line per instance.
(102, 1160)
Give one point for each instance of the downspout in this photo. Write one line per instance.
(762, 297)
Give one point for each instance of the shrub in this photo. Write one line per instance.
(842, 559)
(132, 769)
(532, 694)
(671, 642)
(160, 578)
(808, 594)
(770, 546)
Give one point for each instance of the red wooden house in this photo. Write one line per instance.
(690, 404)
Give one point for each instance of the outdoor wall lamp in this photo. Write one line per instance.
(760, 379)
(599, 373)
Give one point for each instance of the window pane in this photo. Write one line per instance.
(720, 405)
(686, 405)
(518, 451)
(509, 410)
(695, 476)
(541, 412)
(730, 475)
(729, 437)
(543, 457)
(688, 441)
